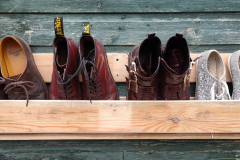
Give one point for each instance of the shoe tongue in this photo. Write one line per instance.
(15, 77)
(61, 68)
(176, 60)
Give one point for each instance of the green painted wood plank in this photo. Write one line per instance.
(86, 6)
(62, 155)
(120, 149)
(120, 145)
(180, 155)
(126, 49)
(199, 29)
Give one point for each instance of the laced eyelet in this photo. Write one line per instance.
(64, 89)
(93, 83)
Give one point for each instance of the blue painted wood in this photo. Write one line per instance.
(199, 29)
(120, 150)
(130, 6)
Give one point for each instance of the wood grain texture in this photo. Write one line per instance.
(119, 136)
(126, 29)
(116, 62)
(119, 117)
(132, 6)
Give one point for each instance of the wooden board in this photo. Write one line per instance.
(118, 136)
(126, 29)
(120, 150)
(68, 117)
(117, 64)
(89, 6)
(123, 49)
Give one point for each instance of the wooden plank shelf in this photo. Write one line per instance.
(119, 120)
(55, 120)
(116, 62)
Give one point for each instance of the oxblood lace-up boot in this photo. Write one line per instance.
(175, 69)
(98, 83)
(143, 67)
(65, 84)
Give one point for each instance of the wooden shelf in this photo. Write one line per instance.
(48, 120)
(119, 120)
(116, 62)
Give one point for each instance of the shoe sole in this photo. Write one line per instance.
(229, 68)
(228, 64)
(196, 77)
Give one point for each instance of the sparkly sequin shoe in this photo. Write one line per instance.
(211, 77)
(234, 70)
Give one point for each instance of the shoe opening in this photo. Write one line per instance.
(149, 52)
(215, 65)
(61, 51)
(13, 58)
(87, 47)
(176, 55)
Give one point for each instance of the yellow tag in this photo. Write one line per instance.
(87, 29)
(58, 26)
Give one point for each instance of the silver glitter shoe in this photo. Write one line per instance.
(211, 77)
(234, 70)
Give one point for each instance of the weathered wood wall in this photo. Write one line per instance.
(206, 24)
(121, 150)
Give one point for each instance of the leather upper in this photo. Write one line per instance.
(174, 69)
(143, 67)
(62, 73)
(98, 83)
(30, 79)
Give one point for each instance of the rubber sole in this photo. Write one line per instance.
(196, 76)
(228, 64)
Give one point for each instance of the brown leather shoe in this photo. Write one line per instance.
(3, 96)
(175, 69)
(65, 83)
(22, 78)
(98, 83)
(143, 67)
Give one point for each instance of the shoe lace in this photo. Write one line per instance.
(19, 84)
(93, 83)
(65, 89)
(2, 80)
(219, 96)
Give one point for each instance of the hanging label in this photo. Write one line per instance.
(86, 30)
(58, 26)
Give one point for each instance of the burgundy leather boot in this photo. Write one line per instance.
(143, 68)
(175, 69)
(98, 82)
(65, 83)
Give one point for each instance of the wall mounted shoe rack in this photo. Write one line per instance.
(55, 120)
